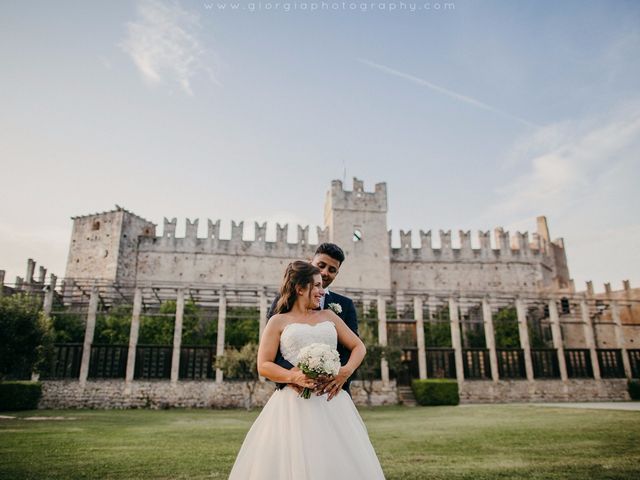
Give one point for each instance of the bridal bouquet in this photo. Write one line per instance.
(318, 359)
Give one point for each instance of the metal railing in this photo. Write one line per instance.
(511, 363)
(441, 363)
(578, 361)
(610, 362)
(545, 363)
(153, 361)
(197, 362)
(476, 363)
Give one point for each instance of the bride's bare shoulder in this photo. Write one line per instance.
(330, 316)
(279, 320)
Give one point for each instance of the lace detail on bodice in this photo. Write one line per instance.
(298, 335)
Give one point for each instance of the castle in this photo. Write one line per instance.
(119, 246)
(586, 344)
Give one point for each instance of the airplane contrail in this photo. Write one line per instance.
(444, 91)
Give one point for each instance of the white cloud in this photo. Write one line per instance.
(581, 175)
(162, 43)
(565, 163)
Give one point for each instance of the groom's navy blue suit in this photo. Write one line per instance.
(349, 317)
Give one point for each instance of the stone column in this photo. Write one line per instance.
(365, 306)
(222, 318)
(47, 305)
(464, 326)
(262, 304)
(523, 333)
(615, 315)
(2, 273)
(88, 334)
(556, 333)
(490, 338)
(454, 320)
(382, 338)
(432, 304)
(422, 353)
(133, 337)
(177, 337)
(31, 267)
(589, 337)
(264, 310)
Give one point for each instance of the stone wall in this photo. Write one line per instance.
(106, 394)
(122, 246)
(457, 275)
(573, 390)
(381, 394)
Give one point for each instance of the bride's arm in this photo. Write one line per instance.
(350, 340)
(267, 354)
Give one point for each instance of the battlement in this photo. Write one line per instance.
(358, 198)
(213, 242)
(625, 292)
(513, 247)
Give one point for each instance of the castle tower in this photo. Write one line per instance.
(357, 222)
(104, 245)
(557, 276)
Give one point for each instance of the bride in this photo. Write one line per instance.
(297, 438)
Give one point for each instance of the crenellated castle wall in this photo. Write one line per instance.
(516, 265)
(124, 247)
(212, 259)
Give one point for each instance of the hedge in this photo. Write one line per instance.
(634, 389)
(20, 395)
(436, 392)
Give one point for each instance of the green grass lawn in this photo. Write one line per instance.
(469, 442)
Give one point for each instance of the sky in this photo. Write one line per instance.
(477, 114)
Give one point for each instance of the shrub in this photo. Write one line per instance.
(369, 369)
(436, 392)
(23, 331)
(634, 389)
(242, 364)
(20, 395)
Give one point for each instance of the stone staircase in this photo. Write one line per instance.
(406, 397)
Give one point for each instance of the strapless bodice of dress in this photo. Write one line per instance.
(295, 336)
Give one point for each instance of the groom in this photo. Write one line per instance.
(328, 258)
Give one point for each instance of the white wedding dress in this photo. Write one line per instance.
(307, 439)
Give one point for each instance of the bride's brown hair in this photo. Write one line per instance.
(298, 274)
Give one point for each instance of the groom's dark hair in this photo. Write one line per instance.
(331, 249)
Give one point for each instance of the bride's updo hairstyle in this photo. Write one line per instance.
(299, 274)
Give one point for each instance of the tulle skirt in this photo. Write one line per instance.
(307, 439)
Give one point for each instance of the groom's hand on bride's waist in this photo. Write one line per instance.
(333, 384)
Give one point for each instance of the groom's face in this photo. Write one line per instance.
(328, 266)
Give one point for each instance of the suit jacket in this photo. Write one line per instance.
(349, 317)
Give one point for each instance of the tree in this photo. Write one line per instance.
(242, 326)
(437, 333)
(158, 329)
(26, 336)
(506, 328)
(114, 327)
(242, 364)
(68, 327)
(369, 369)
